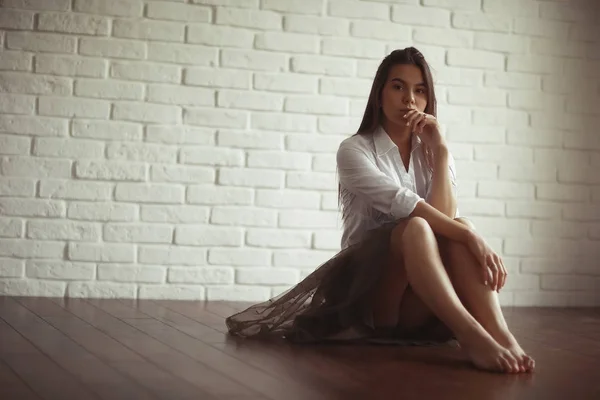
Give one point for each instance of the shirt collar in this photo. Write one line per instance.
(383, 142)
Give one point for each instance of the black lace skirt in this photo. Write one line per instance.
(333, 304)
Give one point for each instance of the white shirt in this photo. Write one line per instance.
(375, 186)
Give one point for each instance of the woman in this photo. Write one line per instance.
(409, 270)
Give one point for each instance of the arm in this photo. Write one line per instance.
(441, 194)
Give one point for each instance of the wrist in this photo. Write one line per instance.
(466, 233)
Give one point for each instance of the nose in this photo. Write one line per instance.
(409, 98)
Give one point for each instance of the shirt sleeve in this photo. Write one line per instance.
(361, 176)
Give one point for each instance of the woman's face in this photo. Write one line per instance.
(404, 90)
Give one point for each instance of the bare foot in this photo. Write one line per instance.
(506, 338)
(487, 354)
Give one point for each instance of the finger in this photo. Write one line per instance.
(504, 272)
(408, 115)
(494, 270)
(421, 125)
(416, 121)
(414, 115)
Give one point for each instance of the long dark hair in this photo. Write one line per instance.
(373, 115)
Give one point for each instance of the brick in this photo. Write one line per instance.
(75, 190)
(149, 193)
(475, 59)
(512, 80)
(295, 6)
(68, 148)
(287, 199)
(278, 238)
(102, 211)
(480, 96)
(345, 87)
(324, 105)
(454, 4)
(230, 3)
(208, 236)
(249, 100)
(300, 258)
(184, 174)
(11, 227)
(309, 219)
(267, 276)
(442, 37)
(338, 125)
(584, 33)
(146, 72)
(73, 23)
(40, 42)
(320, 65)
(25, 248)
(475, 170)
(351, 47)
(221, 36)
(117, 8)
(217, 78)
(174, 214)
(206, 275)
(327, 240)
(215, 118)
(32, 208)
(316, 25)
(248, 18)
(38, 5)
(141, 152)
(238, 293)
(178, 12)
(182, 53)
(112, 89)
(31, 287)
(63, 230)
(217, 195)
(535, 137)
(536, 27)
(552, 158)
(72, 107)
(314, 143)
(537, 247)
(146, 112)
(279, 160)
(476, 134)
(482, 207)
(282, 122)
(172, 255)
(17, 187)
(529, 9)
(254, 60)
(357, 9)
(12, 268)
(533, 64)
(555, 229)
(500, 116)
(358, 106)
(561, 192)
(137, 233)
(212, 156)
(504, 154)
(101, 252)
(415, 15)
(578, 174)
(107, 130)
(526, 173)
(114, 48)
(565, 12)
(14, 145)
(110, 170)
(500, 42)
(250, 140)
(239, 257)
(552, 47)
(100, 290)
(505, 190)
(481, 22)
(16, 61)
(500, 226)
(448, 115)
(172, 292)
(311, 180)
(170, 134)
(522, 282)
(459, 151)
(287, 42)
(534, 100)
(258, 178)
(32, 84)
(291, 83)
(243, 216)
(34, 167)
(584, 141)
(532, 210)
(581, 212)
(16, 19)
(128, 273)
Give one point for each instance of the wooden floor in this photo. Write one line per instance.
(119, 349)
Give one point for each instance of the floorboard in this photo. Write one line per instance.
(56, 348)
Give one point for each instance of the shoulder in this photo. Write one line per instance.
(357, 142)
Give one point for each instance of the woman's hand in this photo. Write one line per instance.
(426, 126)
(493, 270)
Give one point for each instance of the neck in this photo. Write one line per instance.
(401, 135)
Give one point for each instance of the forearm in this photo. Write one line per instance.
(441, 195)
(440, 223)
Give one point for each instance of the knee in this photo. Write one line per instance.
(465, 221)
(415, 228)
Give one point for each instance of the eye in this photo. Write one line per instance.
(421, 91)
(397, 87)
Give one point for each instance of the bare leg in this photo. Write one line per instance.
(417, 245)
(481, 301)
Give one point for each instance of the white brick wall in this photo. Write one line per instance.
(185, 149)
